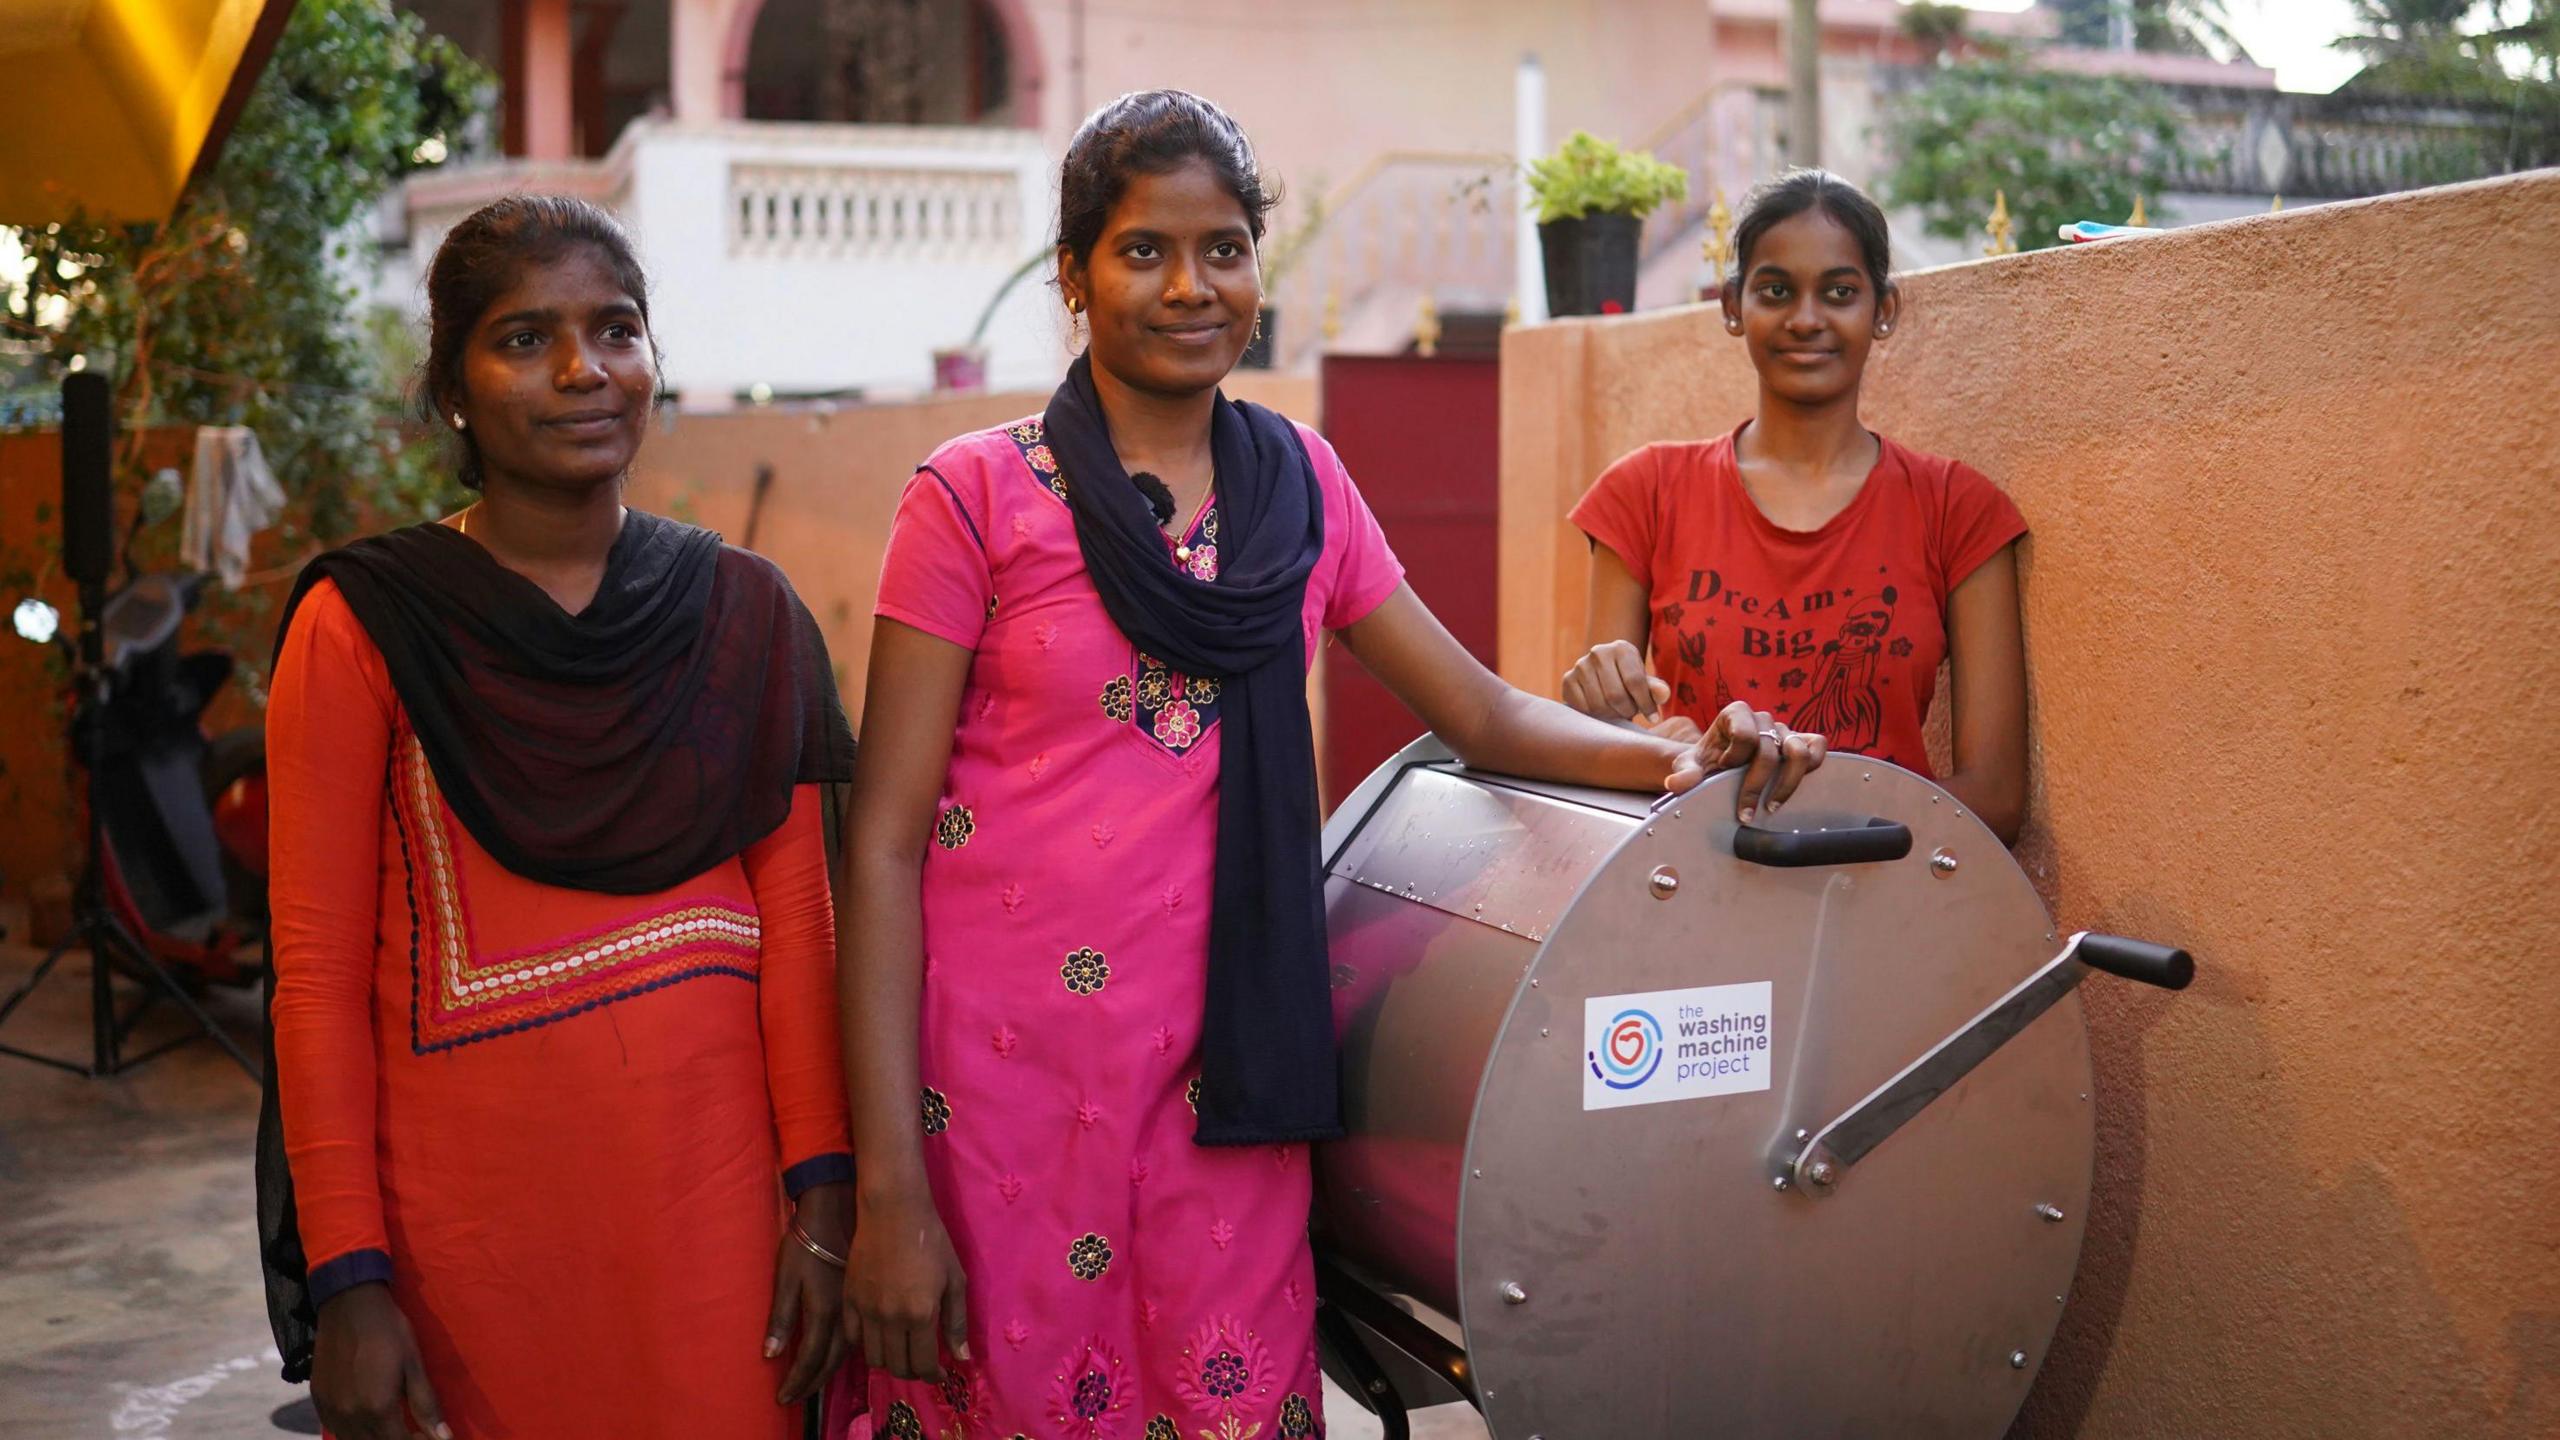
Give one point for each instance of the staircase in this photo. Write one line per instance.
(1728, 139)
(1411, 223)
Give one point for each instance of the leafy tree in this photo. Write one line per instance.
(2062, 147)
(2401, 30)
(242, 309)
(2501, 54)
(2454, 49)
(2532, 35)
(1934, 25)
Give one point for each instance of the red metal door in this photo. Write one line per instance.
(1419, 437)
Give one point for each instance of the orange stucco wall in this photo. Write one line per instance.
(39, 826)
(2293, 611)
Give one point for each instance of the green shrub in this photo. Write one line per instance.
(1588, 174)
(2062, 147)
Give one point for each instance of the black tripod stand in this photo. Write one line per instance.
(95, 925)
(88, 429)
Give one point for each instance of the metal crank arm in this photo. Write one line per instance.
(1827, 1156)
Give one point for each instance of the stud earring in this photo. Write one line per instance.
(1883, 330)
(458, 422)
(1075, 305)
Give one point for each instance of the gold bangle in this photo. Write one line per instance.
(814, 1248)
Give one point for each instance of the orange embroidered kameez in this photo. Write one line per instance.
(559, 1123)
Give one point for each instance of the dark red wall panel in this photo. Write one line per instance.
(1420, 439)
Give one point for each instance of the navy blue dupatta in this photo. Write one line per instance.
(1268, 1072)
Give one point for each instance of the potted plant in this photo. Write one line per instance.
(1278, 259)
(1592, 198)
(963, 368)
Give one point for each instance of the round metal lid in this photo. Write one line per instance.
(1626, 1265)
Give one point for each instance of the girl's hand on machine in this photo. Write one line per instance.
(1610, 682)
(367, 1380)
(904, 1291)
(1774, 759)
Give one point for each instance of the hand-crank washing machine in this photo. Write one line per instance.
(1665, 1127)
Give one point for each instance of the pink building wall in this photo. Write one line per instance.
(1324, 86)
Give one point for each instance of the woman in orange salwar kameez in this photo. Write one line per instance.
(554, 1042)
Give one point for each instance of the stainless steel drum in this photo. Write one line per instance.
(1609, 1172)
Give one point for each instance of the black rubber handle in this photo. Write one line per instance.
(1869, 843)
(2162, 965)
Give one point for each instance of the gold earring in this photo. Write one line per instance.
(1075, 305)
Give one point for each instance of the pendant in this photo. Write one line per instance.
(1182, 553)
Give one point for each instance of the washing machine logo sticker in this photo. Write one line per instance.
(1630, 1050)
(1677, 1044)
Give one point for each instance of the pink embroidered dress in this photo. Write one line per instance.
(1123, 1281)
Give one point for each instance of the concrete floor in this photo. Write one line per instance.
(129, 1292)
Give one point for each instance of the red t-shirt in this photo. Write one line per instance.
(1838, 630)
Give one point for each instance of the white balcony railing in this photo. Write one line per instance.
(850, 212)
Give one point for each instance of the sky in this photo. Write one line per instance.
(2292, 36)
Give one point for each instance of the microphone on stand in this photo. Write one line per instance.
(88, 491)
(1159, 495)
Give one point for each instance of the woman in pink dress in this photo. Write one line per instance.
(1085, 986)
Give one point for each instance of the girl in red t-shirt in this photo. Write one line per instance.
(1802, 566)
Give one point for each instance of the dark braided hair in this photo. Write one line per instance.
(1797, 191)
(1150, 132)
(481, 259)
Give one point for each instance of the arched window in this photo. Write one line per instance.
(886, 62)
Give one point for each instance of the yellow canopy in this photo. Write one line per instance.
(108, 107)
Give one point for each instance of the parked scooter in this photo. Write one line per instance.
(185, 860)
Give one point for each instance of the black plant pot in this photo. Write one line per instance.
(1591, 261)
(1266, 340)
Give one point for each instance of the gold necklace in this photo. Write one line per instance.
(1208, 497)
